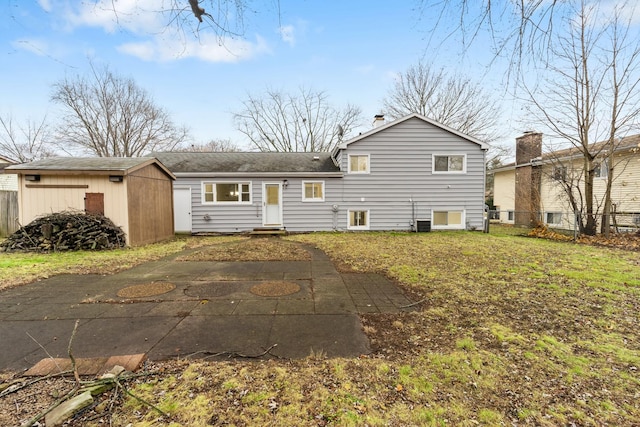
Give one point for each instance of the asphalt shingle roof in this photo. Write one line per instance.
(248, 162)
(83, 164)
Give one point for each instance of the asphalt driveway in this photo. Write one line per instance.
(171, 308)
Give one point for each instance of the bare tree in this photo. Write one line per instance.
(111, 116)
(453, 100)
(521, 31)
(25, 143)
(302, 121)
(213, 146)
(590, 98)
(225, 18)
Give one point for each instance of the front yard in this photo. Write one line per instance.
(509, 330)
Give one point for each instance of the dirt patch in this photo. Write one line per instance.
(264, 249)
(146, 290)
(275, 289)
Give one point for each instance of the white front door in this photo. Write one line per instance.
(182, 209)
(272, 205)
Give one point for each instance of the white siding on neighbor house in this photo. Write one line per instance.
(625, 191)
(8, 182)
(400, 183)
(504, 187)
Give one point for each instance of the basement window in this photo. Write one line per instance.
(447, 220)
(358, 220)
(553, 217)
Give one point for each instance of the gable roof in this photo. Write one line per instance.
(483, 145)
(6, 160)
(625, 144)
(250, 163)
(87, 165)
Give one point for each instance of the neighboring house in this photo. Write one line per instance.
(530, 189)
(135, 193)
(7, 182)
(409, 174)
(8, 199)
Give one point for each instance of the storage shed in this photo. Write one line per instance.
(135, 193)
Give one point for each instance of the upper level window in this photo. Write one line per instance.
(313, 191)
(226, 192)
(601, 170)
(359, 163)
(449, 163)
(560, 173)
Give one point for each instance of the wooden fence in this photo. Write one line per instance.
(8, 212)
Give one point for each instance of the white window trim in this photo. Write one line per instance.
(554, 214)
(433, 163)
(368, 156)
(606, 170)
(463, 220)
(358, 227)
(316, 199)
(214, 202)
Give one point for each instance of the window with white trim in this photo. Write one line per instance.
(449, 163)
(553, 217)
(559, 173)
(453, 220)
(510, 215)
(226, 192)
(313, 191)
(358, 220)
(358, 163)
(601, 170)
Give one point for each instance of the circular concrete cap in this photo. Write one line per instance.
(146, 290)
(275, 288)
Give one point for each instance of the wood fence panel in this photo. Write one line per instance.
(8, 212)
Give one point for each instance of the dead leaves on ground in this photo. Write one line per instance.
(251, 249)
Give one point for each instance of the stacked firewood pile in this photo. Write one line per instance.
(66, 231)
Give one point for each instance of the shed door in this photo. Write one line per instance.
(182, 209)
(94, 203)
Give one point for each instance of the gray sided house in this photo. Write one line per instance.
(411, 174)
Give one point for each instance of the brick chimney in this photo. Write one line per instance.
(527, 191)
(528, 147)
(378, 120)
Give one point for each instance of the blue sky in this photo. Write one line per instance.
(350, 49)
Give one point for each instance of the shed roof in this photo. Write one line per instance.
(248, 163)
(87, 165)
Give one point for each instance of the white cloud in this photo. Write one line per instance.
(209, 49)
(138, 16)
(45, 5)
(287, 34)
